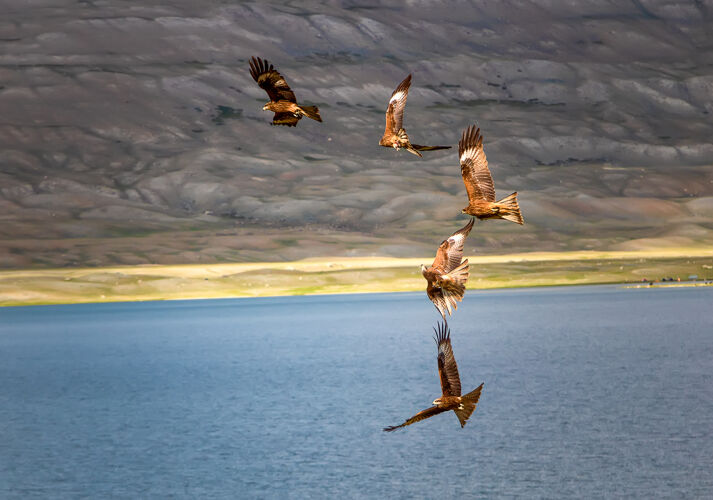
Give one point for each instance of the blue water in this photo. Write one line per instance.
(589, 392)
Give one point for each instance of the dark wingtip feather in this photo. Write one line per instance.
(470, 224)
(256, 67)
(440, 330)
(253, 68)
(462, 142)
(465, 230)
(468, 227)
(471, 137)
(405, 84)
(259, 66)
(443, 333)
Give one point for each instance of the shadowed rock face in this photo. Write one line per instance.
(132, 133)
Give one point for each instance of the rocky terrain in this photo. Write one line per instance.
(132, 132)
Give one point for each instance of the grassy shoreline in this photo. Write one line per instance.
(340, 275)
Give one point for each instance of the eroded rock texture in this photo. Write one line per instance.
(133, 133)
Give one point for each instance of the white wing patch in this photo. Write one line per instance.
(469, 153)
(457, 239)
(396, 97)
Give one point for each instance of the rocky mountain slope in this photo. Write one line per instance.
(133, 132)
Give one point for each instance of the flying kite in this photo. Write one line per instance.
(282, 100)
(463, 406)
(479, 183)
(394, 135)
(447, 275)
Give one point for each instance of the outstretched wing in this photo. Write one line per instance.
(447, 367)
(395, 111)
(418, 147)
(450, 252)
(474, 166)
(422, 415)
(270, 80)
(283, 118)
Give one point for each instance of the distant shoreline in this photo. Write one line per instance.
(341, 275)
(659, 284)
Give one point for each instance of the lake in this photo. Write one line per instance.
(589, 392)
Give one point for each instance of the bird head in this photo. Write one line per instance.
(266, 107)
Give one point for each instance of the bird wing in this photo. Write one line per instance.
(474, 166)
(422, 415)
(447, 366)
(270, 80)
(395, 111)
(450, 252)
(284, 118)
(440, 299)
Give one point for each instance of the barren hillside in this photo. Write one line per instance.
(133, 133)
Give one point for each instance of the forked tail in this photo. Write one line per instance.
(468, 404)
(509, 209)
(311, 112)
(458, 279)
(418, 147)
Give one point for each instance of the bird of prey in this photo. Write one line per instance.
(463, 406)
(282, 100)
(394, 135)
(479, 183)
(447, 275)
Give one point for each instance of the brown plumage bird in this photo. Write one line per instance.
(447, 275)
(479, 183)
(463, 406)
(394, 135)
(282, 100)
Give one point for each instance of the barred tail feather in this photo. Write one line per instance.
(468, 404)
(311, 112)
(509, 209)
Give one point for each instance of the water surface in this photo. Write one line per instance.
(589, 392)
